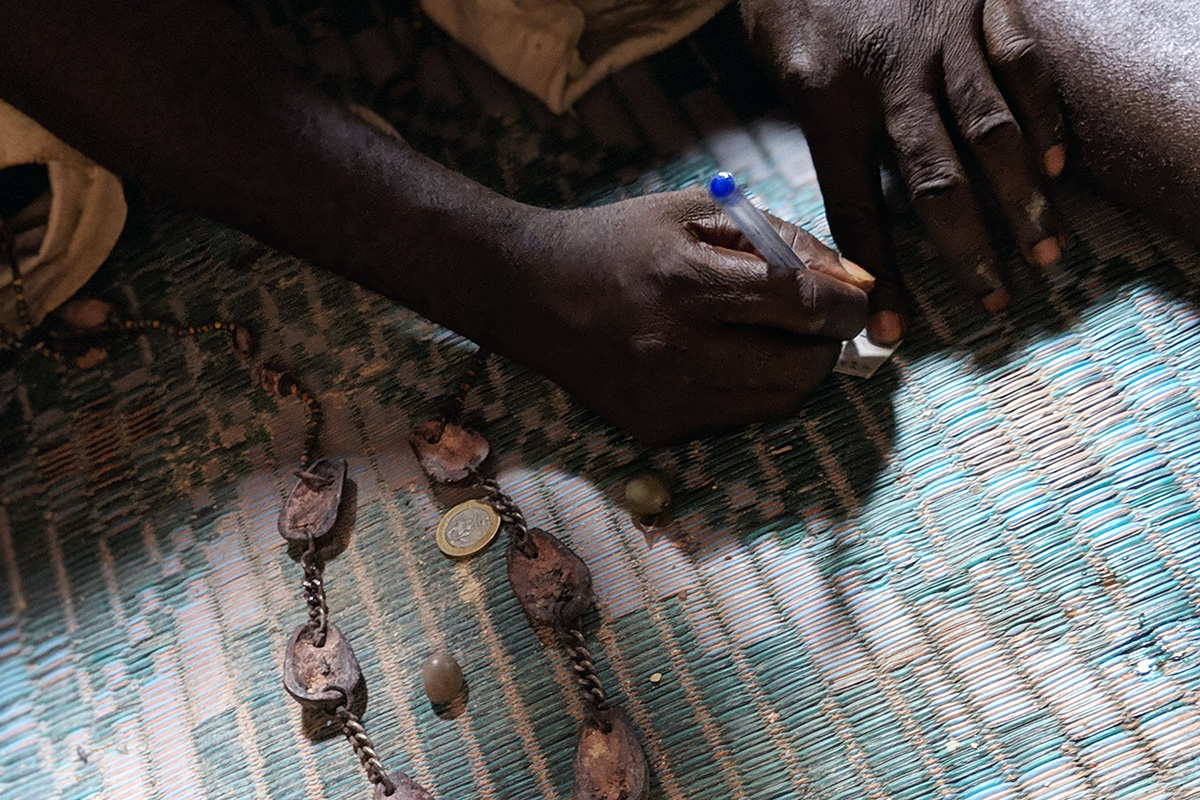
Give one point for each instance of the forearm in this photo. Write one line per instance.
(181, 96)
(1128, 73)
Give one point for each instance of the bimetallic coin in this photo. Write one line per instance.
(467, 528)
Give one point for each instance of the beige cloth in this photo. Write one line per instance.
(558, 49)
(80, 220)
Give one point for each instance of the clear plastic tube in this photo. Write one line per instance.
(753, 223)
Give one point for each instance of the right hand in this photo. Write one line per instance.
(658, 314)
(940, 82)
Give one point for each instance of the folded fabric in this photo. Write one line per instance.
(64, 234)
(559, 49)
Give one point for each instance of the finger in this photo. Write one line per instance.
(709, 408)
(941, 196)
(721, 232)
(820, 258)
(1020, 67)
(839, 131)
(765, 359)
(806, 302)
(992, 133)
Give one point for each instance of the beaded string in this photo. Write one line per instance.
(278, 380)
(49, 344)
(453, 407)
(271, 378)
(20, 340)
(282, 383)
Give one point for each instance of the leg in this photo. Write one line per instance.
(1129, 75)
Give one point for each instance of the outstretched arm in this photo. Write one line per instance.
(182, 96)
(651, 311)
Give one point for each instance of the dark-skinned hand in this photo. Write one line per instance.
(658, 314)
(652, 311)
(939, 82)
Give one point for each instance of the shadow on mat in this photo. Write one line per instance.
(824, 463)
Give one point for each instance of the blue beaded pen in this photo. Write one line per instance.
(860, 356)
(753, 223)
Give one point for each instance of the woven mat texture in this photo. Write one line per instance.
(974, 575)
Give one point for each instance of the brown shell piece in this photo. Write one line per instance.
(275, 379)
(406, 789)
(87, 314)
(610, 766)
(554, 587)
(312, 507)
(320, 677)
(241, 341)
(91, 357)
(448, 452)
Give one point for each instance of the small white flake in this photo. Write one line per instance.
(860, 356)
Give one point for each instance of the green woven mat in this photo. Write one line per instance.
(971, 576)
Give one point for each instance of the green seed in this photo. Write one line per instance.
(648, 494)
(443, 678)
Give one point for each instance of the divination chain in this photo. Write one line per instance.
(553, 585)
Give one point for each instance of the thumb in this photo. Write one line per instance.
(821, 258)
(825, 306)
(805, 302)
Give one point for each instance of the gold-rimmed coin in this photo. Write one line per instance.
(467, 528)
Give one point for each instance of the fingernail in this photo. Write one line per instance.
(885, 328)
(996, 301)
(1055, 160)
(858, 276)
(1046, 252)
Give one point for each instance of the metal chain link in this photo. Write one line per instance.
(318, 607)
(510, 515)
(314, 592)
(364, 748)
(585, 672)
(571, 638)
(19, 341)
(314, 568)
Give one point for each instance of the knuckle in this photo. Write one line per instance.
(810, 299)
(671, 279)
(801, 70)
(927, 162)
(879, 51)
(934, 176)
(852, 217)
(988, 124)
(1013, 48)
(692, 205)
(812, 303)
(645, 344)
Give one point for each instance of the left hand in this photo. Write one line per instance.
(943, 80)
(658, 314)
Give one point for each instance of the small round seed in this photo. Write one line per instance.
(648, 494)
(443, 678)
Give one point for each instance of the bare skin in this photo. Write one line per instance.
(653, 311)
(929, 79)
(1128, 72)
(942, 83)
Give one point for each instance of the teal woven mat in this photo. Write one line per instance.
(971, 576)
